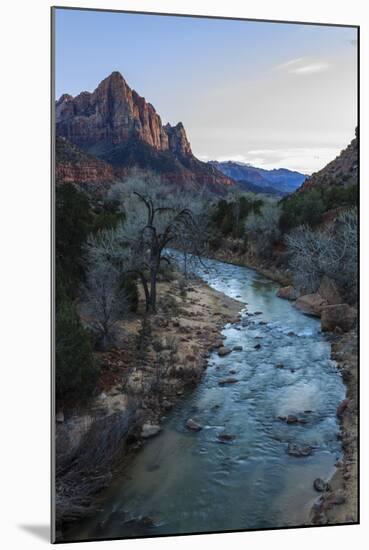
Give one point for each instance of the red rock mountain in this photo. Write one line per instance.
(114, 114)
(122, 129)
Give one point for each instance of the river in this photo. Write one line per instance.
(189, 482)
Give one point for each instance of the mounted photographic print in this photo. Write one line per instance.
(205, 266)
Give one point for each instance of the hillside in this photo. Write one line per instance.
(342, 171)
(75, 166)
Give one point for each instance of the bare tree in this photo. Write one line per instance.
(330, 251)
(106, 299)
(154, 220)
(263, 227)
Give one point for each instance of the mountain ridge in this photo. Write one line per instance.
(115, 124)
(282, 180)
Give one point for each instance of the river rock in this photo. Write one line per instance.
(193, 426)
(342, 407)
(292, 419)
(238, 348)
(279, 366)
(229, 380)
(223, 438)
(311, 304)
(257, 346)
(340, 316)
(149, 430)
(287, 292)
(299, 450)
(320, 485)
(224, 351)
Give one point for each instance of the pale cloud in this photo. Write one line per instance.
(303, 66)
(290, 63)
(311, 68)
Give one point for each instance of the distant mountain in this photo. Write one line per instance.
(121, 128)
(281, 180)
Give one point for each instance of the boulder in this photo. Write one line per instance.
(149, 430)
(320, 485)
(329, 290)
(224, 351)
(287, 293)
(311, 304)
(340, 316)
(193, 426)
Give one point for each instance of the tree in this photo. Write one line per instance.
(106, 300)
(76, 372)
(262, 228)
(154, 220)
(73, 218)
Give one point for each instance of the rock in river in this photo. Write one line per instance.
(238, 348)
(149, 430)
(299, 450)
(193, 426)
(224, 438)
(224, 351)
(320, 485)
(227, 381)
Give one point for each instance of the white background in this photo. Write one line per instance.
(25, 261)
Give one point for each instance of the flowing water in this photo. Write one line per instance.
(186, 482)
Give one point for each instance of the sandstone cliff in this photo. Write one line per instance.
(121, 128)
(114, 114)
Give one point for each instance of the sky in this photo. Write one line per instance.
(269, 94)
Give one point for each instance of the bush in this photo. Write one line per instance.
(76, 371)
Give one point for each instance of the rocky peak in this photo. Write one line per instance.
(115, 114)
(178, 142)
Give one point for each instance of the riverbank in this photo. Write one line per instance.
(340, 503)
(230, 253)
(157, 359)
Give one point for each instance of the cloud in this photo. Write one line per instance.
(290, 63)
(303, 66)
